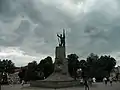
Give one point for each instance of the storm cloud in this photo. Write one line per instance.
(31, 27)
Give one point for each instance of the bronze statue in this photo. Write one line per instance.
(61, 39)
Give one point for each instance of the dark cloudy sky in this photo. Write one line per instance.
(28, 28)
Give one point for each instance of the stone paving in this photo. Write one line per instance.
(97, 86)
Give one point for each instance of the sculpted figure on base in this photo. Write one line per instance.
(61, 39)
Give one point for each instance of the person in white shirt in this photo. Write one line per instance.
(23, 82)
(81, 80)
(94, 79)
(110, 80)
(105, 80)
(90, 81)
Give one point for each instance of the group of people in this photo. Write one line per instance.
(5, 79)
(88, 82)
(10, 79)
(105, 80)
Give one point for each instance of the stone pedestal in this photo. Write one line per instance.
(61, 66)
(60, 78)
(60, 52)
(60, 60)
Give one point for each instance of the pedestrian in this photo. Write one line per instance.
(86, 84)
(90, 81)
(105, 80)
(23, 82)
(110, 80)
(94, 79)
(81, 81)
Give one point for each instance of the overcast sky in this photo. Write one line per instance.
(28, 28)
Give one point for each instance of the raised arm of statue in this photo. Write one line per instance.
(58, 35)
(61, 38)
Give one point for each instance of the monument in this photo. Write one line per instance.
(61, 65)
(60, 77)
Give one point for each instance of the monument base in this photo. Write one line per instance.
(56, 80)
(60, 78)
(55, 84)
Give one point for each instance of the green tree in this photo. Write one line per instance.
(22, 73)
(73, 64)
(31, 73)
(107, 63)
(46, 66)
(100, 67)
(7, 66)
(92, 60)
(83, 64)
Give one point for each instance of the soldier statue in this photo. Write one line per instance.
(61, 39)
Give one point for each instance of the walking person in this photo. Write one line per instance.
(90, 81)
(110, 80)
(81, 81)
(86, 84)
(105, 80)
(23, 82)
(94, 79)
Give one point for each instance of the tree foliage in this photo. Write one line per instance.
(31, 73)
(46, 66)
(73, 64)
(93, 66)
(7, 66)
(39, 71)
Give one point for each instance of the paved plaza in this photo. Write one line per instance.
(97, 86)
